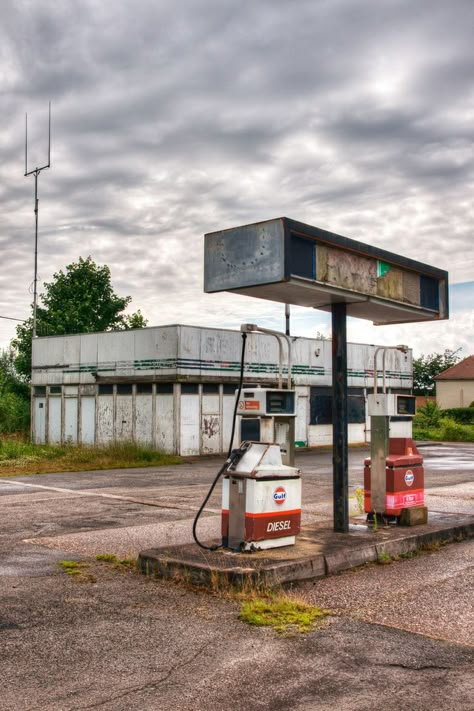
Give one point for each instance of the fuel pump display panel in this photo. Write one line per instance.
(267, 402)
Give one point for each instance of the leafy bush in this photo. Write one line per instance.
(447, 431)
(452, 431)
(463, 415)
(427, 416)
(14, 413)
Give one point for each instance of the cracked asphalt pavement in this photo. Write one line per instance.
(399, 636)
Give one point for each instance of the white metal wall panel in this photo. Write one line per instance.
(190, 428)
(124, 418)
(39, 420)
(70, 419)
(87, 420)
(165, 423)
(105, 419)
(228, 405)
(211, 424)
(54, 420)
(302, 417)
(144, 419)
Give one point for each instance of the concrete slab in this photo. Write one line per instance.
(319, 551)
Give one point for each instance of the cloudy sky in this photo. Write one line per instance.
(173, 119)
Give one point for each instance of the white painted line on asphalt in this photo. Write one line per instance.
(80, 492)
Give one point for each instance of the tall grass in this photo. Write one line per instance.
(19, 456)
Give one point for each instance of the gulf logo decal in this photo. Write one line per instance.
(279, 495)
(409, 477)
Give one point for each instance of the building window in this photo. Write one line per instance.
(40, 390)
(106, 389)
(144, 388)
(55, 390)
(189, 388)
(124, 389)
(321, 406)
(164, 388)
(210, 389)
(229, 389)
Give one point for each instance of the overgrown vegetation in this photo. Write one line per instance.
(281, 612)
(21, 457)
(432, 423)
(14, 397)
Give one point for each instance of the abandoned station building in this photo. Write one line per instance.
(173, 387)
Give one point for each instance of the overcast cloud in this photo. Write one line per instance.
(172, 119)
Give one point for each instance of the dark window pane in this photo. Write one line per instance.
(250, 429)
(321, 406)
(124, 389)
(144, 388)
(429, 293)
(189, 388)
(40, 389)
(210, 389)
(164, 388)
(55, 390)
(106, 389)
(302, 257)
(229, 389)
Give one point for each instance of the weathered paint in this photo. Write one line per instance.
(144, 418)
(105, 419)
(70, 419)
(165, 423)
(87, 420)
(124, 418)
(189, 424)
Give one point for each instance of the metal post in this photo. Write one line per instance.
(339, 419)
(35, 281)
(287, 319)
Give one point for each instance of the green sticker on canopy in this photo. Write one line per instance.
(382, 268)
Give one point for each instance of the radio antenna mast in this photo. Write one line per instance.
(36, 172)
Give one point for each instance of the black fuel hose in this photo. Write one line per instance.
(232, 455)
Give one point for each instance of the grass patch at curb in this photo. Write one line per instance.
(281, 612)
(120, 563)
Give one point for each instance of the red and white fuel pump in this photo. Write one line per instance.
(261, 500)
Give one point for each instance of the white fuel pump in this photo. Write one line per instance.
(261, 500)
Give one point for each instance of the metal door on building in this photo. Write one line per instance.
(210, 419)
(190, 421)
(39, 415)
(70, 419)
(54, 419)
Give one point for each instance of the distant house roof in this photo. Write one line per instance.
(464, 370)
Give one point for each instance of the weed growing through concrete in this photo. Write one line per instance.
(359, 494)
(282, 613)
(123, 563)
(78, 570)
(384, 558)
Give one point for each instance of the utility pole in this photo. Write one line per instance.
(36, 171)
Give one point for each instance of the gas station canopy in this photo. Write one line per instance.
(293, 263)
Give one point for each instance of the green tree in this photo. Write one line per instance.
(426, 368)
(79, 299)
(14, 397)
